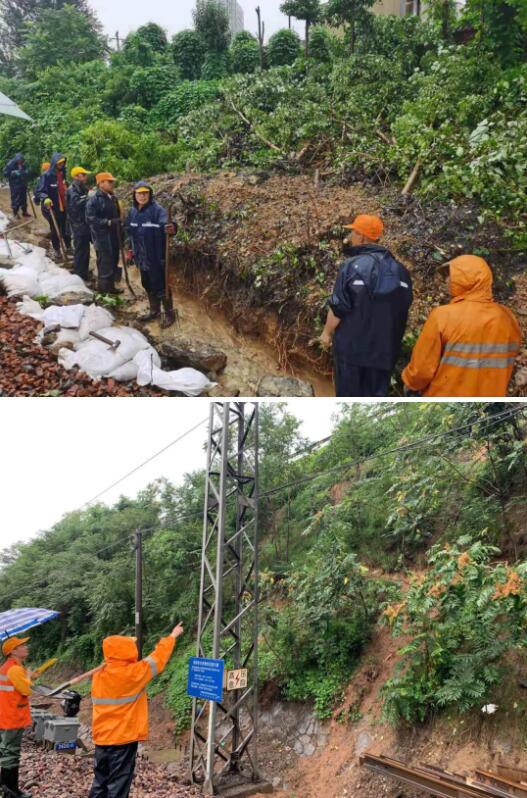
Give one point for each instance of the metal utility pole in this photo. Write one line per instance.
(139, 590)
(224, 735)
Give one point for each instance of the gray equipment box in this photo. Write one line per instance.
(61, 730)
(39, 719)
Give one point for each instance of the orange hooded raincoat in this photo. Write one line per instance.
(120, 705)
(466, 348)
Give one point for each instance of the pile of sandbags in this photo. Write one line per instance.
(69, 325)
(33, 274)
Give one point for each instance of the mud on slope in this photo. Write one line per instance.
(266, 250)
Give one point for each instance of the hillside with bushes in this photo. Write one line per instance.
(410, 518)
(381, 99)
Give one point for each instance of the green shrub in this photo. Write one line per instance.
(461, 617)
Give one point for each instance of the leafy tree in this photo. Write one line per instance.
(309, 11)
(244, 53)
(501, 27)
(188, 51)
(138, 50)
(350, 14)
(15, 14)
(154, 35)
(443, 12)
(284, 48)
(321, 45)
(216, 66)
(149, 84)
(212, 24)
(66, 36)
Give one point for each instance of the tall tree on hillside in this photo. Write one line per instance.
(349, 14)
(14, 14)
(501, 26)
(212, 23)
(309, 11)
(58, 37)
(188, 52)
(144, 46)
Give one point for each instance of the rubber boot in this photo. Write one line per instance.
(10, 784)
(155, 309)
(169, 317)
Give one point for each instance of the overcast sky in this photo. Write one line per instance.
(127, 15)
(57, 455)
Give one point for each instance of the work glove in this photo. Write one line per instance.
(16, 172)
(170, 229)
(48, 203)
(130, 256)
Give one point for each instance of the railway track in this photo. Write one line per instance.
(507, 782)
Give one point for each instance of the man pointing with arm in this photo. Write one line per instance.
(120, 710)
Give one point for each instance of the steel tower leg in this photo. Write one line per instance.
(223, 739)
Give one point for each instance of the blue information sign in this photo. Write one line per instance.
(205, 678)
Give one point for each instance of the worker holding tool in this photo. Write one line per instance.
(148, 226)
(368, 312)
(104, 219)
(51, 194)
(77, 196)
(15, 714)
(466, 348)
(120, 710)
(17, 175)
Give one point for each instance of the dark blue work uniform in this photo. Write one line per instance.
(48, 188)
(77, 201)
(372, 299)
(146, 232)
(17, 175)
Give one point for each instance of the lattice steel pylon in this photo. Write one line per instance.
(224, 735)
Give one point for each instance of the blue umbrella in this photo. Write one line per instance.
(14, 622)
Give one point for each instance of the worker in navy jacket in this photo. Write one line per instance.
(17, 175)
(368, 313)
(147, 227)
(51, 195)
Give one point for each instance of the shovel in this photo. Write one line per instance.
(112, 345)
(59, 235)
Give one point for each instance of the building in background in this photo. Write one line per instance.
(403, 8)
(236, 15)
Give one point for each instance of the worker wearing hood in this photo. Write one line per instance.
(17, 175)
(466, 348)
(147, 227)
(51, 194)
(120, 709)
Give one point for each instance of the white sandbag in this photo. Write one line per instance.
(98, 360)
(95, 318)
(20, 281)
(4, 221)
(29, 307)
(126, 373)
(68, 318)
(187, 381)
(59, 281)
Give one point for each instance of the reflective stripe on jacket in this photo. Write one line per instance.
(14, 706)
(466, 348)
(120, 706)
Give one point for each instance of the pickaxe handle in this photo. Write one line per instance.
(78, 679)
(111, 344)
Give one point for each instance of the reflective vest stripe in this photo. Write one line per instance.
(361, 282)
(4, 677)
(150, 224)
(483, 349)
(479, 363)
(117, 701)
(153, 666)
(7, 688)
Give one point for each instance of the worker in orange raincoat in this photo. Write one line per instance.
(120, 710)
(466, 348)
(15, 714)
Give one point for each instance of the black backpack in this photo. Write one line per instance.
(379, 272)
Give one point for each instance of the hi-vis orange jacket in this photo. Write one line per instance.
(466, 348)
(14, 700)
(120, 707)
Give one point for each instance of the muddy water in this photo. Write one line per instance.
(248, 359)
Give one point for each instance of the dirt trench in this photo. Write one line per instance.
(249, 357)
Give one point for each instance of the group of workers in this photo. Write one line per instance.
(119, 711)
(466, 348)
(77, 214)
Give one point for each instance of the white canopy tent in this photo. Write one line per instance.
(10, 108)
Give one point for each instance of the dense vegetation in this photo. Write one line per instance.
(372, 104)
(345, 534)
